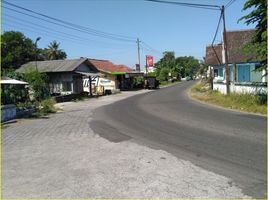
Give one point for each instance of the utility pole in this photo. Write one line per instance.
(139, 57)
(225, 53)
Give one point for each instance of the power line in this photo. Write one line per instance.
(193, 5)
(62, 25)
(215, 35)
(229, 3)
(150, 48)
(99, 33)
(75, 37)
(51, 34)
(70, 27)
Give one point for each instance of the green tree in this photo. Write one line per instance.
(16, 49)
(163, 75)
(53, 52)
(178, 67)
(165, 65)
(259, 16)
(188, 65)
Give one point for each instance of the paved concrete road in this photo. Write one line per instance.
(229, 143)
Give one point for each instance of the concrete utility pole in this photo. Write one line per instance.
(139, 57)
(225, 52)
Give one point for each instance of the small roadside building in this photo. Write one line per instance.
(114, 77)
(65, 76)
(10, 88)
(243, 68)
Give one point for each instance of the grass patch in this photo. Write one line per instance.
(243, 102)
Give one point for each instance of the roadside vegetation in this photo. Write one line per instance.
(242, 102)
(170, 69)
(34, 100)
(34, 97)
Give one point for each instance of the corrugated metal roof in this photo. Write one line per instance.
(53, 65)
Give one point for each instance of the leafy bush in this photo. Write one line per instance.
(38, 82)
(13, 94)
(47, 106)
(261, 99)
(163, 76)
(138, 81)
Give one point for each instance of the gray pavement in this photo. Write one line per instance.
(62, 157)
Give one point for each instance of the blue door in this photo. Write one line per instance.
(243, 73)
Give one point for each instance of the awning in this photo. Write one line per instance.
(118, 73)
(13, 82)
(88, 73)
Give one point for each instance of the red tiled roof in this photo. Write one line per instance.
(235, 40)
(109, 67)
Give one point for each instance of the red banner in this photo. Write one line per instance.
(138, 68)
(149, 61)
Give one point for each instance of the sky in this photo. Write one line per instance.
(160, 27)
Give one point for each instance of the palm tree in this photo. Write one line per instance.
(53, 52)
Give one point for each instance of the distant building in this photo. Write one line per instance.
(244, 75)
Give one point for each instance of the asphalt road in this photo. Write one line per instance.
(229, 143)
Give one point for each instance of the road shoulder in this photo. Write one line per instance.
(192, 97)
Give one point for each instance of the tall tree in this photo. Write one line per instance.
(16, 49)
(53, 52)
(259, 16)
(178, 67)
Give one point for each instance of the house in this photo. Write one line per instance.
(114, 77)
(65, 76)
(244, 76)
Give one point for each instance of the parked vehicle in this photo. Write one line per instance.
(150, 82)
(188, 78)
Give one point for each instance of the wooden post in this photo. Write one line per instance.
(211, 76)
(90, 86)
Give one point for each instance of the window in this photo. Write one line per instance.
(221, 72)
(215, 72)
(66, 86)
(243, 73)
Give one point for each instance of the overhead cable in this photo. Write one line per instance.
(69, 25)
(193, 5)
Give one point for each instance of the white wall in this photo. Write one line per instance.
(242, 89)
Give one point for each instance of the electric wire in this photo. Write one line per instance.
(149, 48)
(58, 32)
(101, 33)
(52, 35)
(193, 5)
(215, 35)
(67, 26)
(229, 3)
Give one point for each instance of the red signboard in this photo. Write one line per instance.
(149, 61)
(138, 67)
